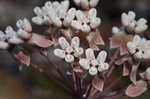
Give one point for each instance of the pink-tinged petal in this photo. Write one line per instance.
(102, 56)
(85, 63)
(69, 58)
(90, 54)
(123, 49)
(93, 46)
(125, 70)
(55, 41)
(93, 71)
(63, 42)
(133, 73)
(98, 83)
(136, 90)
(23, 58)
(115, 42)
(142, 75)
(97, 39)
(40, 41)
(75, 42)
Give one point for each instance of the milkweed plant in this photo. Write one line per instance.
(74, 36)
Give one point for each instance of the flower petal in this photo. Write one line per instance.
(59, 53)
(93, 71)
(75, 42)
(78, 52)
(114, 42)
(102, 56)
(136, 90)
(85, 64)
(103, 67)
(90, 54)
(133, 73)
(63, 43)
(98, 83)
(69, 58)
(125, 70)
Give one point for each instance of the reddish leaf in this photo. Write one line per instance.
(40, 41)
(136, 90)
(133, 73)
(125, 70)
(98, 83)
(23, 58)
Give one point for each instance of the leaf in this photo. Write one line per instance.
(133, 73)
(125, 70)
(98, 83)
(23, 58)
(136, 90)
(40, 41)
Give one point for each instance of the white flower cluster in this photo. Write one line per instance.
(128, 20)
(59, 14)
(15, 37)
(69, 51)
(86, 21)
(52, 13)
(92, 64)
(139, 47)
(86, 4)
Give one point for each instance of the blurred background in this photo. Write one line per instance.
(28, 83)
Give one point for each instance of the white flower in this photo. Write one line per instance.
(147, 73)
(24, 28)
(86, 4)
(139, 47)
(85, 22)
(92, 64)
(12, 36)
(69, 51)
(128, 20)
(3, 43)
